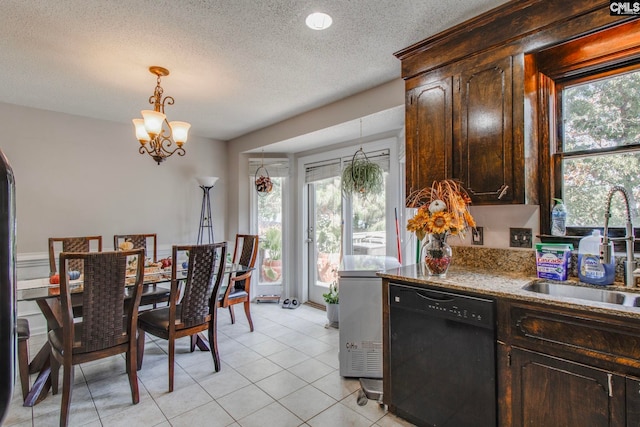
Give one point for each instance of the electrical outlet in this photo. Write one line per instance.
(477, 236)
(520, 238)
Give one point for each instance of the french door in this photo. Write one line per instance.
(337, 225)
(329, 237)
(324, 235)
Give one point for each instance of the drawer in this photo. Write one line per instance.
(575, 334)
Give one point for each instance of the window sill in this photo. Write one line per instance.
(618, 246)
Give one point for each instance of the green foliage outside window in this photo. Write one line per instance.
(600, 114)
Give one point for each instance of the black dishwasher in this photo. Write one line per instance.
(442, 359)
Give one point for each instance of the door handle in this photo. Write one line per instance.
(502, 191)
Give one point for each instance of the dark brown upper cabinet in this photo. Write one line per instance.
(473, 114)
(429, 138)
(486, 159)
(461, 126)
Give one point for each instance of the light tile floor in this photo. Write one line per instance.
(283, 374)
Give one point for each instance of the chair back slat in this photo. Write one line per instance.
(75, 245)
(245, 253)
(105, 318)
(138, 241)
(72, 244)
(206, 265)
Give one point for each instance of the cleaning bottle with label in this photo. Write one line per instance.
(590, 268)
(559, 219)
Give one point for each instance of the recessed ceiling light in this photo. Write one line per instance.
(319, 21)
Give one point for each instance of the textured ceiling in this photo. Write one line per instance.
(236, 65)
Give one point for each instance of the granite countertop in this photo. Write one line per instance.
(482, 281)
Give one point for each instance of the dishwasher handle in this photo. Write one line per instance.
(439, 298)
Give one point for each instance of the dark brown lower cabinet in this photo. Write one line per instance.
(633, 402)
(552, 392)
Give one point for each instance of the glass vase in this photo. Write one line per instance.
(437, 254)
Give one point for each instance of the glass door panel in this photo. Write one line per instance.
(368, 224)
(325, 230)
(269, 217)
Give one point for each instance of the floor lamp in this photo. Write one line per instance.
(206, 220)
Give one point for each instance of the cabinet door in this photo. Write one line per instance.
(633, 402)
(484, 155)
(551, 392)
(429, 129)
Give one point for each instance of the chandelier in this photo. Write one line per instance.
(150, 130)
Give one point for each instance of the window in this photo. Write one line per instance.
(268, 217)
(598, 144)
(337, 225)
(585, 96)
(270, 231)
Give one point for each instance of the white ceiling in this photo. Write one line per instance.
(236, 65)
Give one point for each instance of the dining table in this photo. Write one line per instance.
(156, 286)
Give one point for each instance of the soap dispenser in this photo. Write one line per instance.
(590, 266)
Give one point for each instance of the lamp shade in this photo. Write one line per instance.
(153, 122)
(141, 132)
(207, 181)
(180, 132)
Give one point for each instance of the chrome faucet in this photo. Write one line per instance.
(605, 249)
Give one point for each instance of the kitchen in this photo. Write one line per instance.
(517, 208)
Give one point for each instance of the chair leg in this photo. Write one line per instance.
(67, 389)
(213, 343)
(132, 372)
(233, 316)
(140, 349)
(172, 355)
(247, 311)
(23, 366)
(55, 369)
(194, 341)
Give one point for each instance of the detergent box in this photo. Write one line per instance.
(553, 260)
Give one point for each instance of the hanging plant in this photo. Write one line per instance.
(362, 176)
(263, 182)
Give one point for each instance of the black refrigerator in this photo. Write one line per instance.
(7, 285)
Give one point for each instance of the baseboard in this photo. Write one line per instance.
(316, 305)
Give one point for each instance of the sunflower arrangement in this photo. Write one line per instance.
(443, 208)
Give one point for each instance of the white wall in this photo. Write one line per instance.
(79, 176)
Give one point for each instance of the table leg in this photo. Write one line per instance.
(40, 388)
(40, 359)
(41, 363)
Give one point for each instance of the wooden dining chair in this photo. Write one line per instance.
(192, 305)
(72, 244)
(146, 241)
(238, 290)
(108, 326)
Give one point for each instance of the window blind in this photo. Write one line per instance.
(277, 168)
(379, 157)
(318, 171)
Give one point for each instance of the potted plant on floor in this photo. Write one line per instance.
(332, 299)
(272, 262)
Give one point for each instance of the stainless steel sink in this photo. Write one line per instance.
(583, 293)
